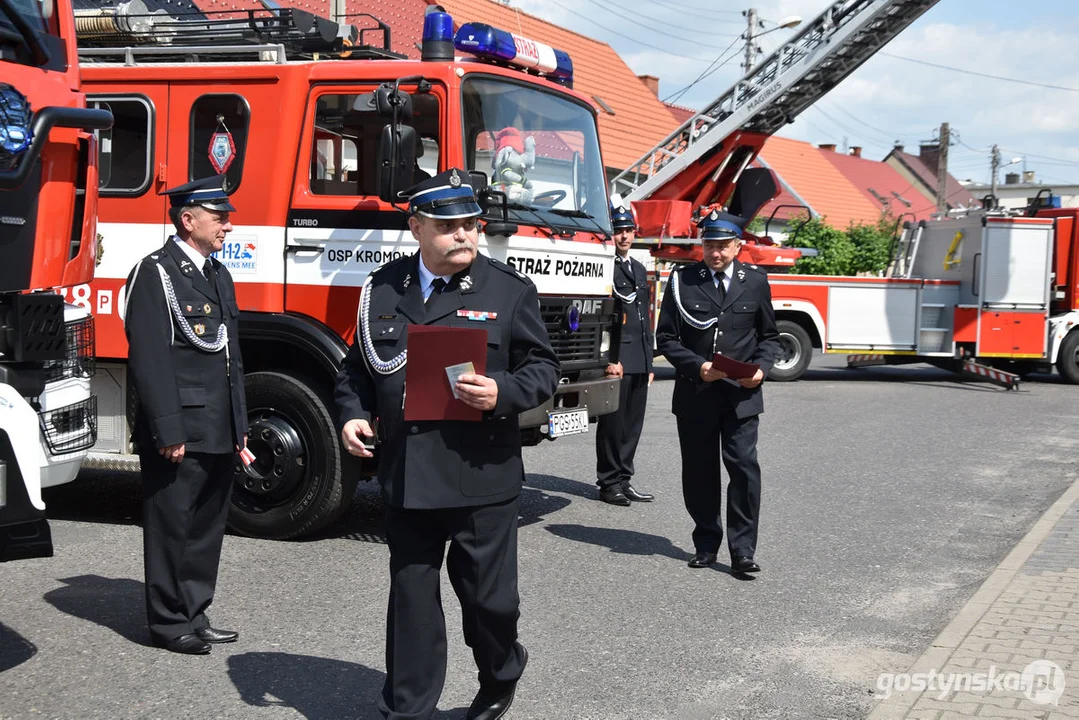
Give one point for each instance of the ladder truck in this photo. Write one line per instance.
(707, 160)
(48, 215)
(316, 125)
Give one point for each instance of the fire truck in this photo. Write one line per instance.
(993, 294)
(48, 201)
(712, 158)
(316, 126)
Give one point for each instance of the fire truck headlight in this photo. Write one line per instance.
(605, 342)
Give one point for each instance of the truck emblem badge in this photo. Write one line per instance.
(455, 179)
(222, 149)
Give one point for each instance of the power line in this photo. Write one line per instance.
(981, 74)
(624, 36)
(652, 29)
(707, 71)
(682, 7)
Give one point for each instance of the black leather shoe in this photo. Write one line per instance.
(189, 644)
(613, 495)
(213, 635)
(744, 564)
(492, 705)
(702, 560)
(630, 492)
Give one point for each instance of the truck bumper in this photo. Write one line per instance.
(598, 396)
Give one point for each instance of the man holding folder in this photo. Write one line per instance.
(717, 328)
(450, 454)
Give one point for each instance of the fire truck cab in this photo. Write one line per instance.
(48, 214)
(315, 131)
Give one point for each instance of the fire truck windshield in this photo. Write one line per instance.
(31, 26)
(540, 148)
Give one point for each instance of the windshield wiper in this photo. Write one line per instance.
(540, 222)
(30, 38)
(584, 216)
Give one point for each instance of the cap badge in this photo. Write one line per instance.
(714, 215)
(455, 179)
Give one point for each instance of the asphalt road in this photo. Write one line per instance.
(890, 494)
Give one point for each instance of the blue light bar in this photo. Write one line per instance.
(490, 43)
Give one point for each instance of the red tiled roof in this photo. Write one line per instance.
(824, 188)
(881, 183)
(956, 194)
(681, 114)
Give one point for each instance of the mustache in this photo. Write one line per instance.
(466, 245)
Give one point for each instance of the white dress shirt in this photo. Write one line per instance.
(197, 259)
(726, 276)
(427, 278)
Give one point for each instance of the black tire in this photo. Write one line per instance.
(1068, 359)
(298, 483)
(795, 352)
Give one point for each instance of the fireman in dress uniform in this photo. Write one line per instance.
(618, 433)
(719, 305)
(191, 420)
(448, 481)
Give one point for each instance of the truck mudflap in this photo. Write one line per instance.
(598, 397)
(24, 532)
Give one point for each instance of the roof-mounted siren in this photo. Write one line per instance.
(437, 34)
(499, 46)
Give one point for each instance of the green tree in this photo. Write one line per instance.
(836, 250)
(872, 245)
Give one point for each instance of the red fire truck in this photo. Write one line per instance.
(992, 293)
(48, 203)
(314, 127)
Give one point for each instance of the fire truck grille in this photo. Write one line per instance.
(577, 349)
(34, 327)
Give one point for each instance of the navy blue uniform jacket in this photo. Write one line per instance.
(450, 463)
(745, 330)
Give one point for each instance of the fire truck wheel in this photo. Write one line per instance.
(296, 485)
(1068, 359)
(795, 352)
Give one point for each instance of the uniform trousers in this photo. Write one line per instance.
(184, 509)
(618, 433)
(704, 439)
(482, 567)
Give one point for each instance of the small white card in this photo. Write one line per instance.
(454, 372)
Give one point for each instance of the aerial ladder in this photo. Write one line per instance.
(706, 161)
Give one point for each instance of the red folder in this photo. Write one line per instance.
(432, 349)
(735, 369)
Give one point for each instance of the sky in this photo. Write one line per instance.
(888, 99)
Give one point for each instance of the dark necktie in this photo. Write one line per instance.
(208, 271)
(437, 286)
(722, 290)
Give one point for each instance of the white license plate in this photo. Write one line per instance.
(573, 422)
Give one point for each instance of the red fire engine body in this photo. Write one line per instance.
(48, 216)
(992, 293)
(305, 145)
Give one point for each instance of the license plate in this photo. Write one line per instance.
(573, 422)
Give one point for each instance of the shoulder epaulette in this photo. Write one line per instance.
(509, 270)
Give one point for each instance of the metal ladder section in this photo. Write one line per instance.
(906, 251)
(791, 79)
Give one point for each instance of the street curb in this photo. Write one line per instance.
(896, 706)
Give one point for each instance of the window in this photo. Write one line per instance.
(219, 129)
(344, 157)
(125, 148)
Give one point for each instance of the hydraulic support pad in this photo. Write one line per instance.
(1007, 380)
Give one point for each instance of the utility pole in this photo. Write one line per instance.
(994, 162)
(942, 169)
(751, 45)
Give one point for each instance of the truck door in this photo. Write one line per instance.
(131, 215)
(338, 230)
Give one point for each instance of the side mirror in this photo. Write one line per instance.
(478, 180)
(393, 104)
(397, 161)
